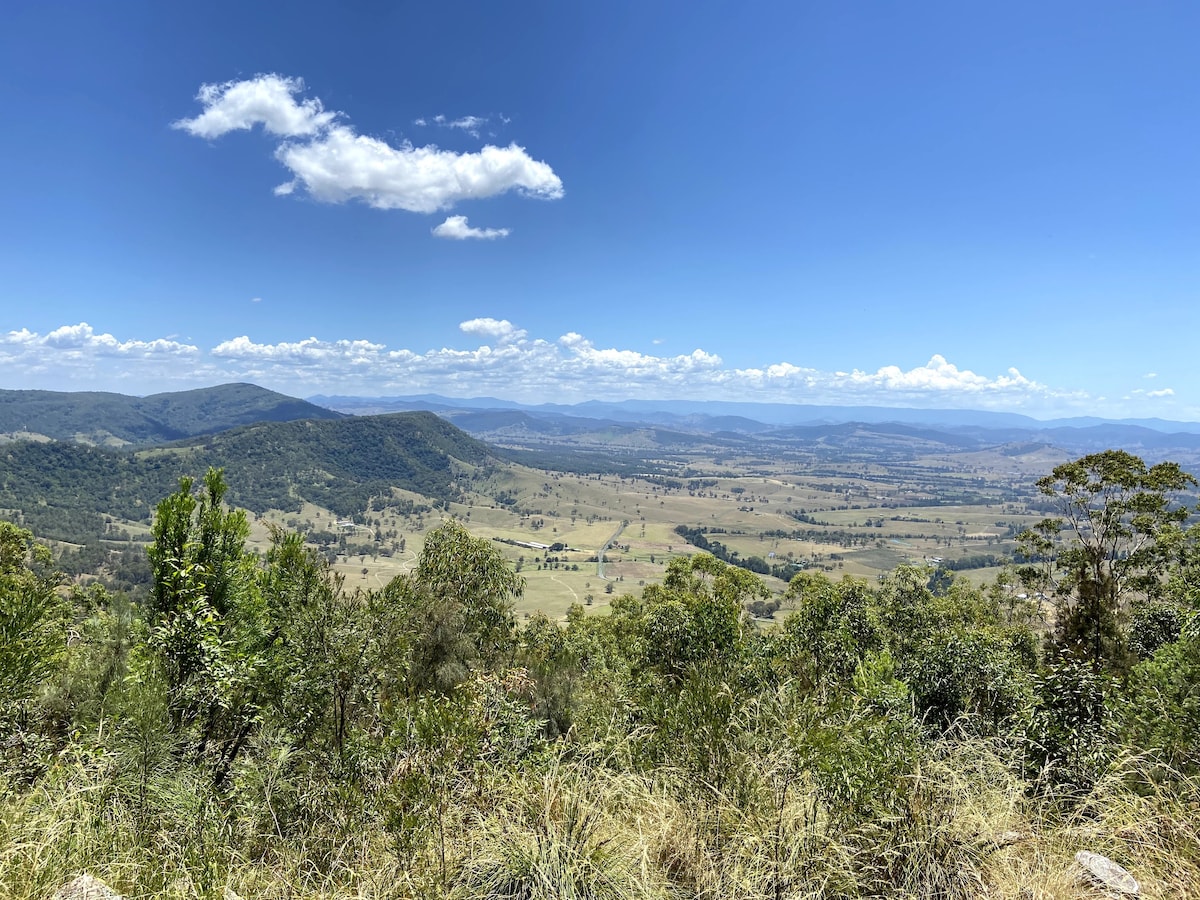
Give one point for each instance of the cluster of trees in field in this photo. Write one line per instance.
(254, 726)
(973, 561)
(698, 537)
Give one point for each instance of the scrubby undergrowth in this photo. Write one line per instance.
(253, 729)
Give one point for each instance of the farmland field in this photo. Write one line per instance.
(854, 518)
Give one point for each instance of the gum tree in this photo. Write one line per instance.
(459, 603)
(1118, 523)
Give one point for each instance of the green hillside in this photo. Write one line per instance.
(336, 464)
(117, 419)
(63, 490)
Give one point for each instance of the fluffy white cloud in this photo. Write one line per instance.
(938, 375)
(501, 330)
(626, 367)
(267, 100)
(340, 165)
(510, 364)
(309, 351)
(335, 164)
(76, 357)
(456, 228)
(82, 339)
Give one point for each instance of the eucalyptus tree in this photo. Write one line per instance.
(1119, 523)
(459, 603)
(831, 630)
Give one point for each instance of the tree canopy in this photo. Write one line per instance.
(1119, 524)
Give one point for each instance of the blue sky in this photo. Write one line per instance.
(913, 204)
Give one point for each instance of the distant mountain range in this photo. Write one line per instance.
(107, 419)
(490, 418)
(117, 420)
(69, 459)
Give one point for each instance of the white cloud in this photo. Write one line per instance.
(335, 164)
(501, 329)
(938, 375)
(340, 166)
(82, 339)
(1141, 394)
(267, 100)
(609, 365)
(75, 357)
(470, 124)
(511, 364)
(456, 228)
(309, 351)
(573, 367)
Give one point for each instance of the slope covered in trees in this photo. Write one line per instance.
(64, 490)
(107, 418)
(255, 727)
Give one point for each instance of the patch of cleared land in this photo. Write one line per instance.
(857, 519)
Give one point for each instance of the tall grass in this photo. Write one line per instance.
(172, 843)
(572, 832)
(571, 826)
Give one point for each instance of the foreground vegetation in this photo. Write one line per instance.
(256, 726)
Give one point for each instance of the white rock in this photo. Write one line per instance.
(1107, 873)
(85, 887)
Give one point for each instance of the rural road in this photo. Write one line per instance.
(600, 555)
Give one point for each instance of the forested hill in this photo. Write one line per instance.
(108, 419)
(338, 464)
(63, 490)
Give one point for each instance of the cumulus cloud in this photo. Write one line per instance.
(456, 228)
(309, 351)
(340, 166)
(77, 357)
(267, 100)
(509, 362)
(82, 339)
(630, 366)
(336, 164)
(938, 375)
(574, 367)
(502, 330)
